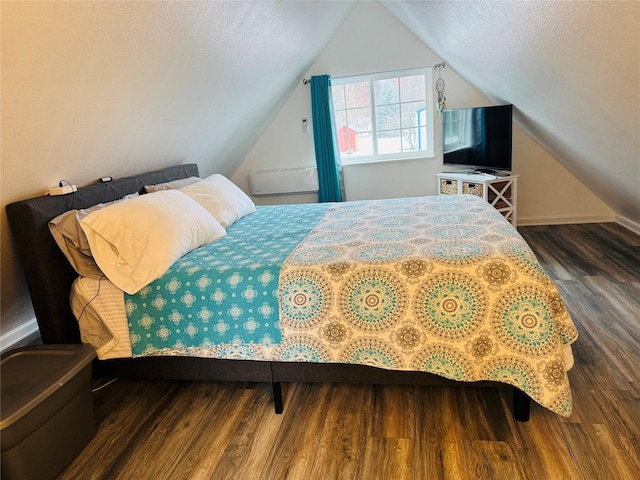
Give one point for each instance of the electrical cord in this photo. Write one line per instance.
(110, 381)
(94, 297)
(73, 193)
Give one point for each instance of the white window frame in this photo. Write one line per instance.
(429, 152)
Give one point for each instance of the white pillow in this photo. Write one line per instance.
(222, 199)
(136, 241)
(71, 239)
(174, 184)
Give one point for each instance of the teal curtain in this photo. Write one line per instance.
(326, 161)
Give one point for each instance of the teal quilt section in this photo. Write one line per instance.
(222, 298)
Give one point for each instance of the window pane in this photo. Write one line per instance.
(395, 113)
(364, 145)
(413, 114)
(359, 119)
(347, 142)
(354, 132)
(357, 94)
(389, 141)
(337, 97)
(360, 145)
(412, 88)
(388, 117)
(423, 140)
(340, 118)
(386, 91)
(413, 139)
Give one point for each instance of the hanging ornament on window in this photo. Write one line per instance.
(441, 106)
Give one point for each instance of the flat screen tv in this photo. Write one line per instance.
(479, 138)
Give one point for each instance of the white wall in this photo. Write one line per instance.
(283, 145)
(91, 89)
(371, 40)
(547, 192)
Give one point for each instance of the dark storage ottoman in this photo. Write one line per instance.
(47, 409)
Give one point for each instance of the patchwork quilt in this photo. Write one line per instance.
(441, 284)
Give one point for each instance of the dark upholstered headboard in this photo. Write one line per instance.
(48, 273)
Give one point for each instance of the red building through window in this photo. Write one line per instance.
(347, 140)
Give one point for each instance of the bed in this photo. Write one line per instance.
(426, 291)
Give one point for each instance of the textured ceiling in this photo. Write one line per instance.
(572, 70)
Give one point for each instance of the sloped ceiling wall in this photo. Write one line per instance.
(572, 69)
(99, 88)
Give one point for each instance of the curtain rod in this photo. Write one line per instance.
(306, 81)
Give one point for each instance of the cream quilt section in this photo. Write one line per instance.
(441, 284)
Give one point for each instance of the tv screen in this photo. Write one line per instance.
(478, 137)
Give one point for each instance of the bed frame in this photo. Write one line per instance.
(49, 277)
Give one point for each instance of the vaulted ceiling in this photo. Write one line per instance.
(132, 83)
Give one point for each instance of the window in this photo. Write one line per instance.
(384, 116)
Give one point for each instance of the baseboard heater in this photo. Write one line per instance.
(284, 181)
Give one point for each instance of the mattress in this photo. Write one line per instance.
(440, 284)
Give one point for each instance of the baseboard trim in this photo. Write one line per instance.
(628, 223)
(563, 220)
(19, 334)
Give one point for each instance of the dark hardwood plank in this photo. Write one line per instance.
(437, 416)
(387, 459)
(598, 369)
(392, 411)
(250, 444)
(439, 449)
(598, 452)
(292, 454)
(344, 435)
(441, 460)
(598, 334)
(493, 460)
(554, 268)
(622, 411)
(620, 236)
(542, 449)
(585, 408)
(121, 403)
(190, 434)
(555, 241)
(614, 296)
(482, 415)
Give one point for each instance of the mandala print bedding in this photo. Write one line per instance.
(439, 284)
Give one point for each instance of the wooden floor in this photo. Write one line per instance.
(189, 430)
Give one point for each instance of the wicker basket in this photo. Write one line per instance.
(469, 188)
(448, 187)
